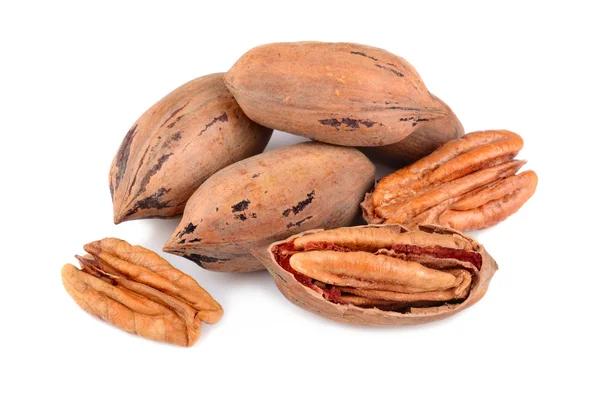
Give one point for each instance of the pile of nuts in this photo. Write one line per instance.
(197, 152)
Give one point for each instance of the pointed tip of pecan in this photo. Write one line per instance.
(181, 236)
(120, 214)
(118, 219)
(171, 244)
(169, 247)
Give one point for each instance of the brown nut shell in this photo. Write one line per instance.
(426, 138)
(179, 142)
(269, 197)
(314, 300)
(341, 93)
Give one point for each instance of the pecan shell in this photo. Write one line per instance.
(179, 142)
(342, 93)
(269, 197)
(467, 184)
(380, 274)
(139, 292)
(426, 138)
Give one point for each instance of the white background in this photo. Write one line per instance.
(75, 77)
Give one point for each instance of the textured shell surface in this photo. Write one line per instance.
(341, 93)
(179, 142)
(269, 197)
(426, 138)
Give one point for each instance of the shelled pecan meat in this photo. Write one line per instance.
(469, 183)
(381, 274)
(139, 292)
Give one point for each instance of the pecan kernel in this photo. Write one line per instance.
(469, 183)
(139, 292)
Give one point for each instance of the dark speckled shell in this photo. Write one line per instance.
(269, 197)
(179, 142)
(422, 141)
(341, 93)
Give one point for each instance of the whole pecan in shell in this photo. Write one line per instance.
(341, 93)
(139, 292)
(179, 142)
(380, 274)
(269, 197)
(469, 183)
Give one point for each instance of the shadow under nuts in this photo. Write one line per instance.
(380, 274)
(341, 93)
(269, 197)
(469, 183)
(139, 292)
(176, 145)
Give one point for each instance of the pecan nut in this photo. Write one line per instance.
(469, 183)
(380, 274)
(341, 93)
(267, 198)
(191, 133)
(139, 292)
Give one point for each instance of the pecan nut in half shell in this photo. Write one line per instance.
(267, 198)
(341, 93)
(139, 292)
(380, 274)
(469, 183)
(176, 145)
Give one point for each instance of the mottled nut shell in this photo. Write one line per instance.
(341, 93)
(424, 140)
(176, 145)
(314, 302)
(269, 197)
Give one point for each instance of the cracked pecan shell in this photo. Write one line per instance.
(269, 197)
(179, 142)
(139, 292)
(341, 93)
(380, 274)
(467, 184)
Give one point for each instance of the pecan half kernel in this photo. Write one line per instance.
(139, 292)
(469, 183)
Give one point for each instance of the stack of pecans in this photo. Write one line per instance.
(196, 152)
